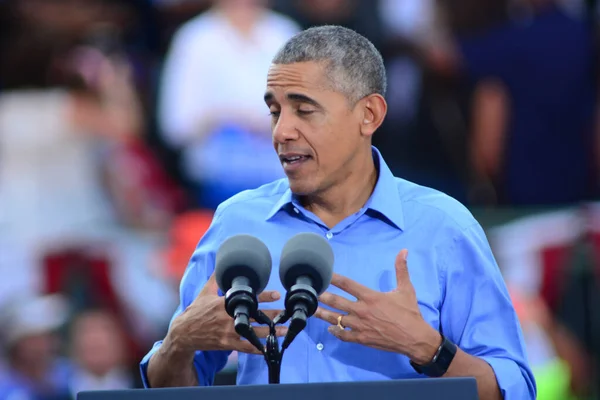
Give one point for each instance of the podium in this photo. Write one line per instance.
(409, 389)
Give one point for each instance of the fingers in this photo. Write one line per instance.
(402, 277)
(263, 331)
(349, 286)
(344, 335)
(271, 313)
(269, 296)
(337, 302)
(327, 315)
(243, 346)
(348, 321)
(211, 287)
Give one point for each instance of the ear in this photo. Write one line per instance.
(374, 108)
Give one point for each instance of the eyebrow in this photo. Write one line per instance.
(301, 98)
(296, 97)
(268, 97)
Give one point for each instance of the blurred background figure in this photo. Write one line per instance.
(97, 348)
(551, 371)
(210, 104)
(82, 199)
(549, 259)
(31, 345)
(423, 134)
(533, 96)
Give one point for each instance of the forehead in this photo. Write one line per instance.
(309, 76)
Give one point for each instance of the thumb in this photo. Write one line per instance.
(211, 286)
(402, 277)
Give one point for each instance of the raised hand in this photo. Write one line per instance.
(205, 325)
(388, 321)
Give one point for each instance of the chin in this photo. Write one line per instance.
(301, 187)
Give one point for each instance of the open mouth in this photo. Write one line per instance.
(296, 159)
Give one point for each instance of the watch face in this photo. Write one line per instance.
(445, 357)
(441, 361)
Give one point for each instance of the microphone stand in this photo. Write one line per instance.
(271, 352)
(273, 356)
(300, 302)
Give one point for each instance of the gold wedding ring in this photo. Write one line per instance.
(339, 324)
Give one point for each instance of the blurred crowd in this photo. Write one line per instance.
(124, 123)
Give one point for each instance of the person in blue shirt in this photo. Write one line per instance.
(414, 274)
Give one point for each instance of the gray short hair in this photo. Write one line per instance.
(353, 64)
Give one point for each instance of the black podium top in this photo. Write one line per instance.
(409, 389)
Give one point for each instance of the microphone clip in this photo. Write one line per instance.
(301, 302)
(301, 297)
(241, 300)
(242, 305)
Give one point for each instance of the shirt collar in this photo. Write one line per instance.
(284, 202)
(385, 199)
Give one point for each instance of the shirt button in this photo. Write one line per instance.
(320, 346)
(329, 235)
(296, 210)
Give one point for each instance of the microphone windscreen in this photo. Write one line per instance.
(306, 254)
(243, 256)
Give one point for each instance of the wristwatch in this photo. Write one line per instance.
(440, 362)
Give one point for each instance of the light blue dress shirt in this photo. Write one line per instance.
(458, 284)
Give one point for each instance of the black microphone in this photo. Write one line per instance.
(242, 270)
(305, 270)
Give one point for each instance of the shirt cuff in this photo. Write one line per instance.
(514, 382)
(206, 364)
(144, 364)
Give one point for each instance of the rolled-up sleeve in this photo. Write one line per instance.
(478, 315)
(201, 266)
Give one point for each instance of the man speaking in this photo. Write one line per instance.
(414, 277)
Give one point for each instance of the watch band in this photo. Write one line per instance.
(440, 361)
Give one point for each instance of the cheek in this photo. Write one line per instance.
(322, 141)
(330, 136)
(321, 132)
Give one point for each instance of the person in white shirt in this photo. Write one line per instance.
(211, 97)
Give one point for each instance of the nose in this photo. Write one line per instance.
(284, 129)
